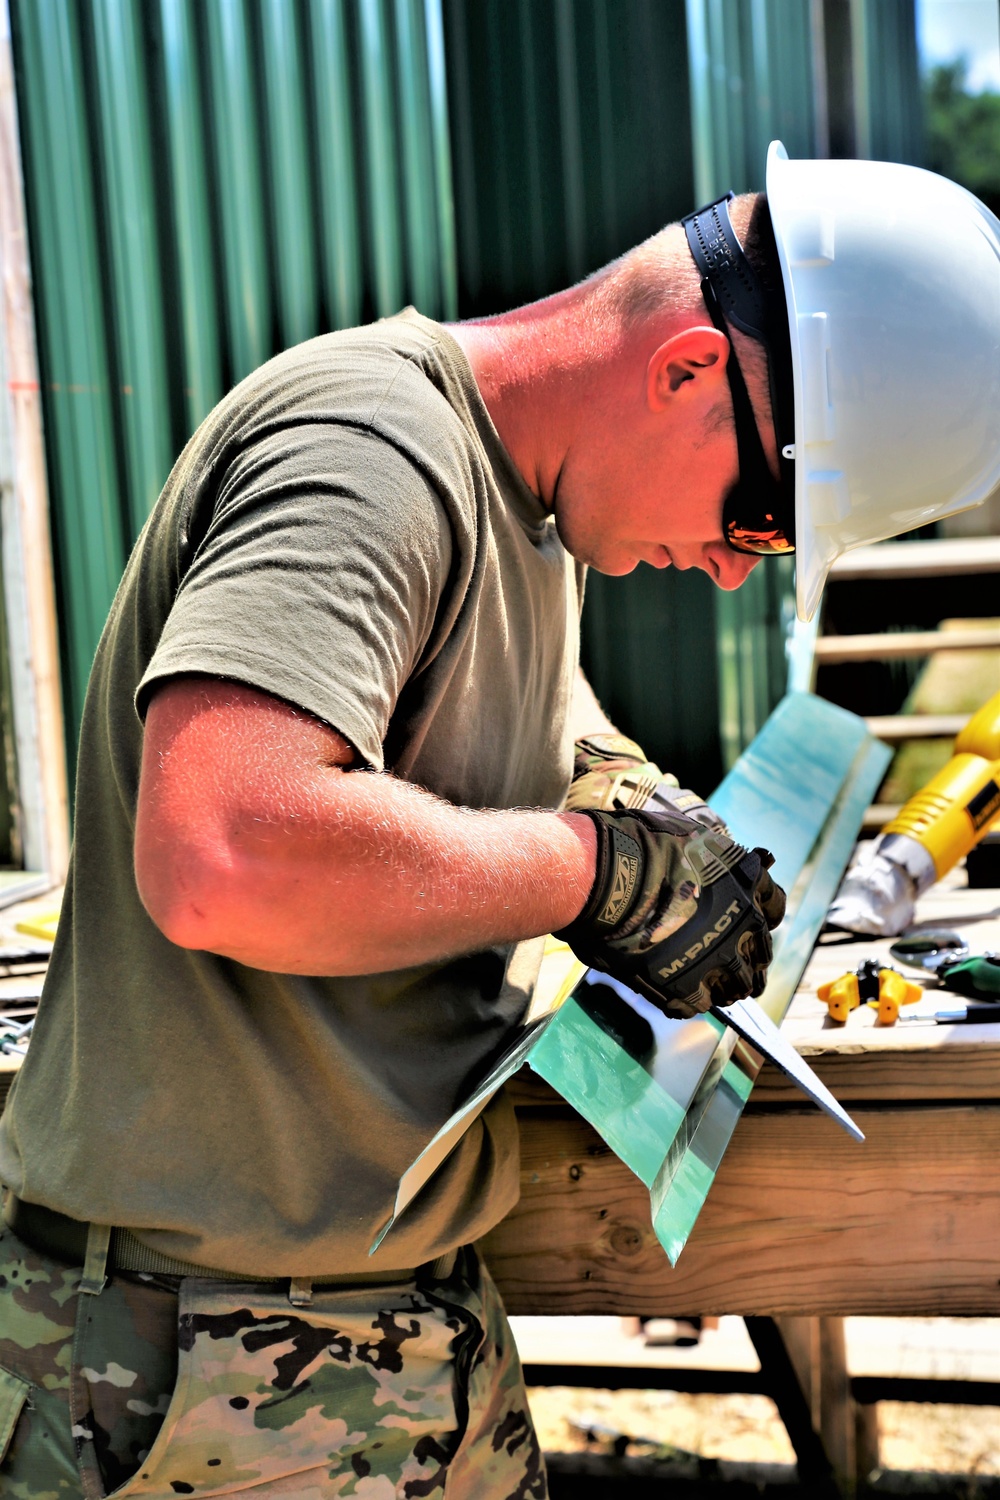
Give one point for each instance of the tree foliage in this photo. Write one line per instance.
(963, 132)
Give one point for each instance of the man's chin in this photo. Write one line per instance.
(613, 567)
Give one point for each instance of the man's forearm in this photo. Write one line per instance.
(334, 871)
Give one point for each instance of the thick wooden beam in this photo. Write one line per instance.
(894, 728)
(801, 1220)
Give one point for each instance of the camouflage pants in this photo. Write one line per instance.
(163, 1387)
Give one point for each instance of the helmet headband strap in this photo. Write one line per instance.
(759, 511)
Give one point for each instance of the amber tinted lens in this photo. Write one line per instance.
(763, 543)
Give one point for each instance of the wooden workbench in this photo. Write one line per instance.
(801, 1219)
(802, 1224)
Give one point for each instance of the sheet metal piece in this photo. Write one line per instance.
(680, 1191)
(666, 1095)
(753, 1025)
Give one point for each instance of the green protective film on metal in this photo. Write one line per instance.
(666, 1095)
(633, 1110)
(800, 789)
(680, 1191)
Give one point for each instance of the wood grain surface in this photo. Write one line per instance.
(800, 1220)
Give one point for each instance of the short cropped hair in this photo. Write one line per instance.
(659, 278)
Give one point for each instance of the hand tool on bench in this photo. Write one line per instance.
(879, 986)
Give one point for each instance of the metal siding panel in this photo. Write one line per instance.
(702, 132)
(534, 155)
(752, 80)
(293, 214)
(603, 103)
(650, 652)
(465, 154)
(437, 80)
(198, 310)
(417, 156)
(340, 237)
(888, 80)
(553, 182)
(80, 440)
(498, 228)
(380, 159)
(242, 227)
(135, 270)
(567, 69)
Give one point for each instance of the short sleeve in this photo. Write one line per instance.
(318, 578)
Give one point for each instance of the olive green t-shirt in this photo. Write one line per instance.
(347, 532)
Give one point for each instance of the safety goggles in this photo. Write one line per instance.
(758, 514)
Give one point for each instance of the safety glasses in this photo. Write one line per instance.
(758, 514)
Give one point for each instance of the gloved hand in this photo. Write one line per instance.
(678, 912)
(611, 771)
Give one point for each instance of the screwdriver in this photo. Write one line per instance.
(956, 1015)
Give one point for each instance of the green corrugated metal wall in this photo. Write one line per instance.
(759, 72)
(580, 128)
(209, 181)
(888, 104)
(753, 80)
(572, 141)
(572, 138)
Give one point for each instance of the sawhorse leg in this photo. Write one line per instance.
(804, 1363)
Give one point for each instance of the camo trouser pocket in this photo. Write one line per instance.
(222, 1388)
(97, 1374)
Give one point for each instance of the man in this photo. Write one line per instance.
(315, 860)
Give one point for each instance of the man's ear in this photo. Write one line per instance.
(696, 354)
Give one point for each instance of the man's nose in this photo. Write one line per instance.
(729, 568)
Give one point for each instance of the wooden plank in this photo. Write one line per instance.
(801, 1336)
(801, 1220)
(893, 728)
(950, 555)
(879, 814)
(899, 644)
(27, 550)
(866, 1440)
(837, 1417)
(896, 1072)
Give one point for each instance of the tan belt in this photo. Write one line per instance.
(100, 1248)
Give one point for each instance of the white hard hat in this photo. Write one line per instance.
(892, 282)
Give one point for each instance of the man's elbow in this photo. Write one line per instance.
(184, 893)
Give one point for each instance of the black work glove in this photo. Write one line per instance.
(678, 912)
(611, 772)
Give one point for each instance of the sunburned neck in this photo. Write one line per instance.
(538, 369)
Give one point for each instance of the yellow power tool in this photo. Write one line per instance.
(936, 828)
